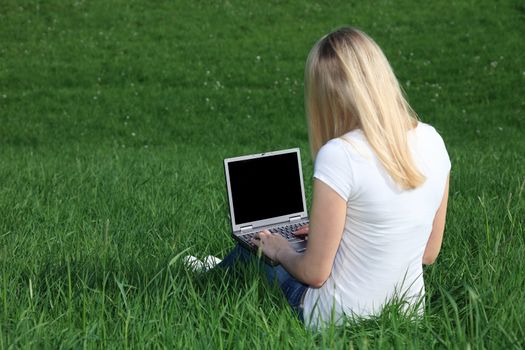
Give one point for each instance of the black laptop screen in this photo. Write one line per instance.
(265, 187)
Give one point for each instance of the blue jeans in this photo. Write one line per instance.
(292, 289)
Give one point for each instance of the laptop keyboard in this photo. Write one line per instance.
(286, 231)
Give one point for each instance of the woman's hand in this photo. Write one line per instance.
(270, 244)
(302, 231)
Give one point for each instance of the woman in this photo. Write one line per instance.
(379, 195)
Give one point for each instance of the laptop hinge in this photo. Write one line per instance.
(246, 228)
(295, 218)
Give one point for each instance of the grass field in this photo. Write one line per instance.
(114, 120)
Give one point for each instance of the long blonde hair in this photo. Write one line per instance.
(349, 84)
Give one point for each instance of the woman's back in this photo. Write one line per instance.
(386, 230)
(381, 190)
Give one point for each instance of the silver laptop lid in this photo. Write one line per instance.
(265, 188)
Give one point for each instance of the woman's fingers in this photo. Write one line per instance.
(301, 231)
(258, 237)
(261, 234)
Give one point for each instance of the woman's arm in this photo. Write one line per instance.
(327, 222)
(438, 227)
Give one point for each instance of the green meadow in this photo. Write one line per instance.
(115, 117)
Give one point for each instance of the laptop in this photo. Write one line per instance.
(266, 191)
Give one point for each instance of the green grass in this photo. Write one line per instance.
(114, 120)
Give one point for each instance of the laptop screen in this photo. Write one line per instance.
(265, 187)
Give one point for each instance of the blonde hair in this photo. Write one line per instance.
(349, 84)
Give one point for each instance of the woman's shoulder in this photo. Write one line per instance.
(429, 136)
(432, 140)
(354, 144)
(332, 148)
(427, 130)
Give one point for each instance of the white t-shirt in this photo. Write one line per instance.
(386, 230)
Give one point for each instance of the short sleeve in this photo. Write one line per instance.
(445, 163)
(332, 166)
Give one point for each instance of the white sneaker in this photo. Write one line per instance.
(197, 265)
(211, 261)
(193, 263)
